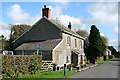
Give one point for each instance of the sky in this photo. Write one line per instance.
(81, 14)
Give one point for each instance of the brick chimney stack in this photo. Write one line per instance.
(70, 26)
(46, 12)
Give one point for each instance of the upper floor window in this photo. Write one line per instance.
(68, 40)
(75, 43)
(80, 44)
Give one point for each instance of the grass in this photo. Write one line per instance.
(102, 61)
(49, 75)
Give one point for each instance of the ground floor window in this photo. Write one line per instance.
(68, 59)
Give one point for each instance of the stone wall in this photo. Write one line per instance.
(62, 51)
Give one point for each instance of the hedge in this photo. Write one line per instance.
(12, 65)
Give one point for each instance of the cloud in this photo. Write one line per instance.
(76, 22)
(117, 30)
(104, 14)
(18, 16)
(4, 29)
(56, 12)
(102, 34)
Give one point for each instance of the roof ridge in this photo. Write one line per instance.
(64, 28)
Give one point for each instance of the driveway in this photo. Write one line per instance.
(106, 70)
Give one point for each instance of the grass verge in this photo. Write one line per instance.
(51, 75)
(102, 61)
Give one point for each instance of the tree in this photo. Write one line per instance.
(82, 33)
(2, 40)
(105, 39)
(96, 47)
(4, 43)
(16, 31)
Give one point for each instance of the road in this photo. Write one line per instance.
(106, 70)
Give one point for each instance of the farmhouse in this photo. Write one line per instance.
(52, 40)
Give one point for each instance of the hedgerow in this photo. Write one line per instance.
(12, 65)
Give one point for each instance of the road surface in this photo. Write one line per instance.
(106, 70)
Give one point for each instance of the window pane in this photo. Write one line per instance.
(80, 44)
(75, 43)
(68, 40)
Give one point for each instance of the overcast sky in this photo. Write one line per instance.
(82, 15)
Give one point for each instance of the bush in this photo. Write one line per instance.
(111, 57)
(62, 67)
(14, 64)
(69, 65)
(117, 56)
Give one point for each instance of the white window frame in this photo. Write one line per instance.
(68, 59)
(75, 42)
(80, 43)
(68, 41)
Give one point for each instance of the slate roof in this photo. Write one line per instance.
(45, 45)
(65, 29)
(60, 26)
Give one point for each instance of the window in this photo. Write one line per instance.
(75, 44)
(68, 59)
(68, 40)
(80, 44)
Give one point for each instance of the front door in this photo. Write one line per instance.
(81, 59)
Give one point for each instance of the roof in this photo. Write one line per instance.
(45, 45)
(65, 29)
(60, 26)
(77, 51)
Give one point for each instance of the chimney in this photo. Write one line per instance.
(70, 26)
(46, 12)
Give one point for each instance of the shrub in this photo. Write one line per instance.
(69, 65)
(82, 65)
(12, 65)
(111, 57)
(62, 67)
(78, 66)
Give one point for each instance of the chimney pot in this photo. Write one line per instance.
(44, 6)
(46, 12)
(69, 23)
(70, 26)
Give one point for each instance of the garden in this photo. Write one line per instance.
(29, 66)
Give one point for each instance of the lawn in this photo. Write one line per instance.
(102, 61)
(56, 75)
